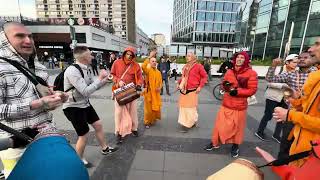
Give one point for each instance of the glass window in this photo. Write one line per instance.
(210, 5)
(201, 5)
(217, 27)
(201, 16)
(200, 26)
(314, 31)
(233, 17)
(219, 6)
(315, 10)
(278, 16)
(226, 17)
(225, 27)
(235, 7)
(209, 16)
(263, 21)
(232, 27)
(227, 6)
(218, 17)
(208, 27)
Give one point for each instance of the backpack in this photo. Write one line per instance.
(59, 81)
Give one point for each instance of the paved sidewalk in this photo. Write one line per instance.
(162, 152)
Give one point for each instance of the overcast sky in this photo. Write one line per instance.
(152, 16)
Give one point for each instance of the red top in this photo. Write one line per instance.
(246, 82)
(197, 77)
(119, 67)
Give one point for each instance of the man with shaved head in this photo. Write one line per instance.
(21, 106)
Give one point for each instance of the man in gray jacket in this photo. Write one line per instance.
(78, 109)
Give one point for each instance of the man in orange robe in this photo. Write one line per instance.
(305, 111)
(152, 98)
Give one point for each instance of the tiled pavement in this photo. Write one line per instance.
(162, 152)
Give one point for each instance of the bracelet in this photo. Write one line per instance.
(45, 105)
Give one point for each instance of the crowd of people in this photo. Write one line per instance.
(27, 101)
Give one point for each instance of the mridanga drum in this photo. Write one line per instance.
(126, 94)
(50, 156)
(241, 169)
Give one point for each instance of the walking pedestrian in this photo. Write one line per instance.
(164, 68)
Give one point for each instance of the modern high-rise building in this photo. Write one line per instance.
(118, 15)
(160, 39)
(204, 26)
(265, 32)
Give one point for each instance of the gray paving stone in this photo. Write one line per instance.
(144, 175)
(148, 160)
(180, 162)
(182, 176)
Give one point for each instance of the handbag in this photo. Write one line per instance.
(252, 100)
(40, 84)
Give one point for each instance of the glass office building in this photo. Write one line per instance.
(267, 31)
(204, 26)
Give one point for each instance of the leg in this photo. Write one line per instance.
(81, 145)
(117, 117)
(285, 143)
(161, 88)
(134, 115)
(167, 86)
(100, 134)
(270, 105)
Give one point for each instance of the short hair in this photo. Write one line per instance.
(8, 24)
(79, 50)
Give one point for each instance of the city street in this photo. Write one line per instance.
(162, 152)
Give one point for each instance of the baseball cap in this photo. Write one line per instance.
(291, 57)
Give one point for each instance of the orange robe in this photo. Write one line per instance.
(305, 115)
(152, 98)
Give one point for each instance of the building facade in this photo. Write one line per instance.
(117, 15)
(143, 42)
(204, 26)
(159, 39)
(266, 32)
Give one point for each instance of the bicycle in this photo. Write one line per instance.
(218, 91)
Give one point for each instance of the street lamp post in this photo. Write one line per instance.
(19, 11)
(254, 39)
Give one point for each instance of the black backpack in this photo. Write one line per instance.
(59, 81)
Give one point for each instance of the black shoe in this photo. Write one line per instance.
(168, 94)
(135, 133)
(109, 150)
(235, 150)
(260, 136)
(119, 139)
(210, 147)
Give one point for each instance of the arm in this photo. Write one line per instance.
(76, 80)
(280, 78)
(311, 123)
(8, 111)
(113, 72)
(203, 76)
(139, 76)
(144, 66)
(277, 85)
(252, 86)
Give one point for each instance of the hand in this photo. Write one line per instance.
(276, 62)
(64, 96)
(233, 92)
(51, 102)
(18, 143)
(198, 90)
(121, 83)
(138, 88)
(266, 156)
(158, 90)
(280, 114)
(103, 74)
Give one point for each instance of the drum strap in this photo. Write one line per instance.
(285, 161)
(20, 135)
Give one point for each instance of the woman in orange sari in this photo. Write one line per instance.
(239, 83)
(193, 79)
(152, 98)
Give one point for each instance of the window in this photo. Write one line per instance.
(200, 26)
(235, 7)
(228, 7)
(201, 16)
(218, 17)
(81, 37)
(315, 10)
(217, 27)
(232, 27)
(233, 17)
(210, 5)
(226, 17)
(209, 16)
(225, 27)
(219, 6)
(208, 27)
(201, 5)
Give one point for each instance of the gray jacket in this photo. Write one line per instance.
(274, 91)
(84, 87)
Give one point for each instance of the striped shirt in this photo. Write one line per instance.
(17, 92)
(295, 79)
